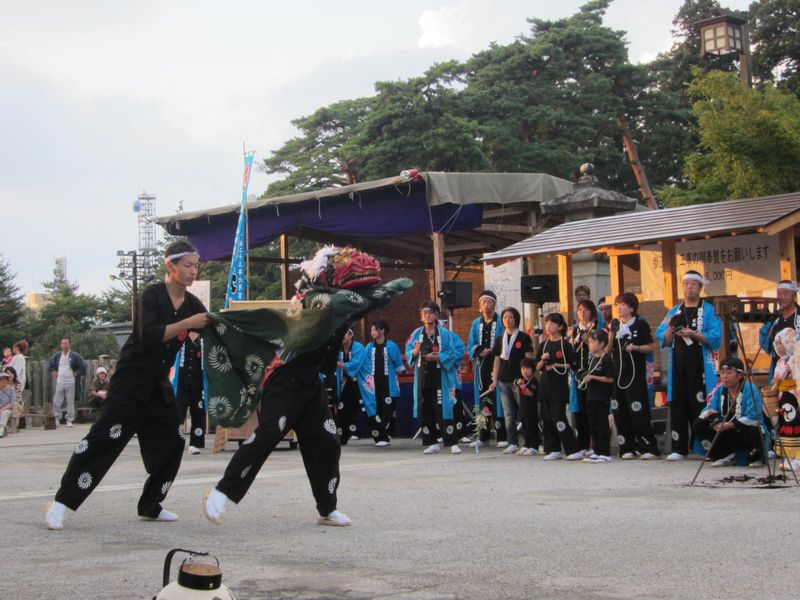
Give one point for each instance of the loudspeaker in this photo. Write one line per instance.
(538, 289)
(456, 294)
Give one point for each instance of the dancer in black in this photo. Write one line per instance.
(141, 400)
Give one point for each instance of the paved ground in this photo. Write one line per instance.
(426, 527)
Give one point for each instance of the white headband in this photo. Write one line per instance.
(180, 255)
(791, 286)
(695, 277)
(488, 297)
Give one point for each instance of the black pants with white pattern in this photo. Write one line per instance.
(687, 402)
(555, 428)
(434, 424)
(743, 437)
(290, 400)
(192, 399)
(631, 407)
(156, 424)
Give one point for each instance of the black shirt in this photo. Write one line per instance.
(688, 356)
(191, 372)
(145, 360)
(509, 369)
(430, 372)
(627, 364)
(556, 383)
(598, 391)
(528, 398)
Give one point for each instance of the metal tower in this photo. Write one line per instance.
(145, 207)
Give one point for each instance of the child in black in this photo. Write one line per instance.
(528, 389)
(554, 359)
(597, 382)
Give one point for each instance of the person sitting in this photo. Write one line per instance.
(7, 400)
(732, 416)
(98, 390)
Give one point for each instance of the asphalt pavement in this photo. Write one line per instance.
(425, 527)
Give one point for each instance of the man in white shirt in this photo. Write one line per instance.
(67, 368)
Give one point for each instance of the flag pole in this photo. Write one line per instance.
(246, 232)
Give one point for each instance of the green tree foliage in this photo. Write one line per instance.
(319, 157)
(68, 313)
(420, 123)
(749, 141)
(114, 306)
(549, 101)
(12, 308)
(775, 34)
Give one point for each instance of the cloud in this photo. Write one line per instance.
(461, 26)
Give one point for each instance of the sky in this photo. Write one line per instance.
(104, 100)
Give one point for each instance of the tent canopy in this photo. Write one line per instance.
(393, 217)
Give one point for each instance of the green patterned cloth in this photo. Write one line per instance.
(240, 345)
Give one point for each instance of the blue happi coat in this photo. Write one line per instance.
(749, 411)
(765, 339)
(393, 363)
(358, 367)
(451, 351)
(711, 327)
(473, 343)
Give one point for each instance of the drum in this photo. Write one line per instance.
(788, 426)
(770, 397)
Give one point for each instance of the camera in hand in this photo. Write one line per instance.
(677, 322)
(549, 361)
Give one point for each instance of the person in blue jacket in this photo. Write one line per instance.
(385, 363)
(436, 354)
(694, 333)
(483, 334)
(788, 315)
(733, 415)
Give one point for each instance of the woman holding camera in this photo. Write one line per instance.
(632, 341)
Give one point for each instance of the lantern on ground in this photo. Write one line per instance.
(199, 578)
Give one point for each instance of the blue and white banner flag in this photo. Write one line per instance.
(237, 278)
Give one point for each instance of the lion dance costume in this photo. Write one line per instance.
(270, 360)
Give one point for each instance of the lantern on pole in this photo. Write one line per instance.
(726, 34)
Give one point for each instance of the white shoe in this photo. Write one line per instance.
(771, 454)
(53, 519)
(502, 444)
(440, 440)
(476, 444)
(675, 456)
(455, 450)
(2, 431)
(532, 452)
(554, 456)
(575, 455)
(354, 438)
(628, 456)
(165, 516)
(756, 463)
(464, 440)
(335, 519)
(512, 449)
(382, 444)
(193, 450)
(589, 453)
(598, 458)
(648, 456)
(724, 462)
(432, 449)
(522, 451)
(214, 505)
(69, 424)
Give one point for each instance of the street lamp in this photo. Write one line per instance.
(136, 267)
(725, 34)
